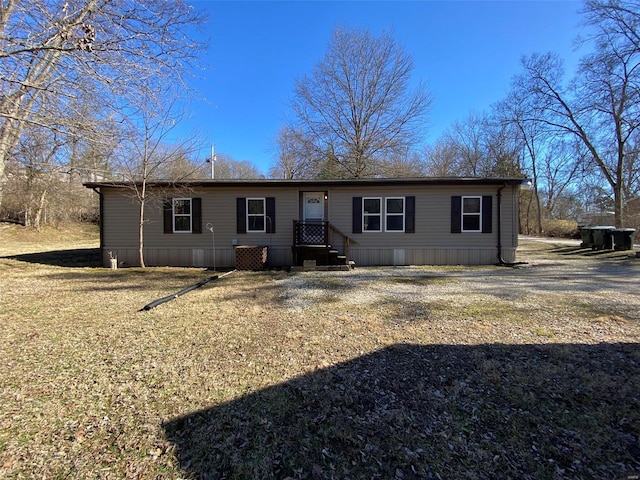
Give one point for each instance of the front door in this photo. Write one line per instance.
(313, 209)
(312, 218)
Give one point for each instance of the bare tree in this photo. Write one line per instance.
(52, 52)
(615, 18)
(55, 162)
(601, 106)
(440, 159)
(227, 168)
(184, 166)
(466, 138)
(357, 106)
(403, 166)
(518, 111)
(503, 148)
(294, 155)
(148, 152)
(34, 175)
(479, 145)
(559, 168)
(631, 167)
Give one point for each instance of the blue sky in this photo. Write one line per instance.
(465, 51)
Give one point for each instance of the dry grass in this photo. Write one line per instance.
(235, 381)
(15, 239)
(560, 228)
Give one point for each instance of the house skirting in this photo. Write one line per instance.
(281, 256)
(191, 257)
(430, 256)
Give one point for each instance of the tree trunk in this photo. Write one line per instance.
(618, 198)
(37, 216)
(528, 216)
(141, 228)
(537, 199)
(9, 135)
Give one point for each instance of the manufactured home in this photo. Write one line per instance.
(362, 222)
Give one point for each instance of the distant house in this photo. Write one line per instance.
(367, 221)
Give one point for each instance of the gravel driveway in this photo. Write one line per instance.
(560, 291)
(550, 347)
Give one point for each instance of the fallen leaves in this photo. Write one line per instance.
(399, 375)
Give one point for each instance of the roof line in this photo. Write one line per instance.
(348, 182)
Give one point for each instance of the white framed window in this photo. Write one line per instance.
(394, 214)
(182, 215)
(471, 214)
(371, 214)
(388, 214)
(256, 215)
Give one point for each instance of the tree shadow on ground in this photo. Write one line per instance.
(590, 252)
(78, 257)
(440, 411)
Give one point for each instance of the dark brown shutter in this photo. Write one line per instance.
(196, 215)
(241, 215)
(270, 209)
(487, 213)
(410, 215)
(357, 215)
(167, 210)
(456, 214)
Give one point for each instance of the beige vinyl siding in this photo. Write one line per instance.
(432, 242)
(510, 217)
(120, 216)
(433, 218)
(120, 213)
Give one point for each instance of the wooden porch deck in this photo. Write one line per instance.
(311, 242)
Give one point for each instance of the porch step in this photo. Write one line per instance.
(336, 259)
(322, 268)
(323, 255)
